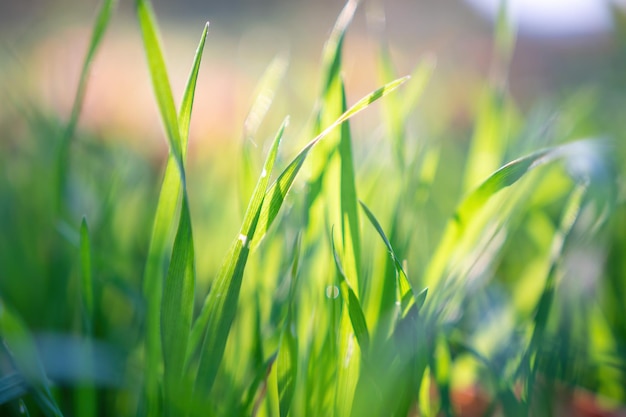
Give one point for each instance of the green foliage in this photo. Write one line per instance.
(514, 286)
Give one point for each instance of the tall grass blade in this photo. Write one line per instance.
(277, 192)
(102, 22)
(351, 301)
(87, 291)
(211, 329)
(165, 221)
(22, 348)
(177, 307)
(85, 398)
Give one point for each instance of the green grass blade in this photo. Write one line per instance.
(160, 81)
(164, 224)
(350, 235)
(102, 22)
(404, 289)
(85, 398)
(211, 329)
(355, 312)
(177, 306)
(21, 346)
(186, 106)
(277, 192)
(87, 291)
(331, 55)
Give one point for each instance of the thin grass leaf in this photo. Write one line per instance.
(331, 55)
(404, 288)
(186, 105)
(22, 348)
(277, 192)
(211, 329)
(177, 306)
(87, 291)
(160, 81)
(350, 235)
(102, 22)
(357, 317)
(85, 398)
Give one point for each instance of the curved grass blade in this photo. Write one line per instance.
(277, 192)
(211, 329)
(23, 350)
(102, 22)
(504, 177)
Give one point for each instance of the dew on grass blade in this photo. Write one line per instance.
(332, 291)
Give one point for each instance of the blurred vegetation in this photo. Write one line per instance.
(411, 269)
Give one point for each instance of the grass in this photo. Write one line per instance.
(401, 284)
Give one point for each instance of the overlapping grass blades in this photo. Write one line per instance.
(168, 319)
(277, 192)
(471, 205)
(211, 329)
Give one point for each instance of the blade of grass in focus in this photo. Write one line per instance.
(181, 275)
(103, 18)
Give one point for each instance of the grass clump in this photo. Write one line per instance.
(346, 290)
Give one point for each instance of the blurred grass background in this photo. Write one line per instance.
(557, 89)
